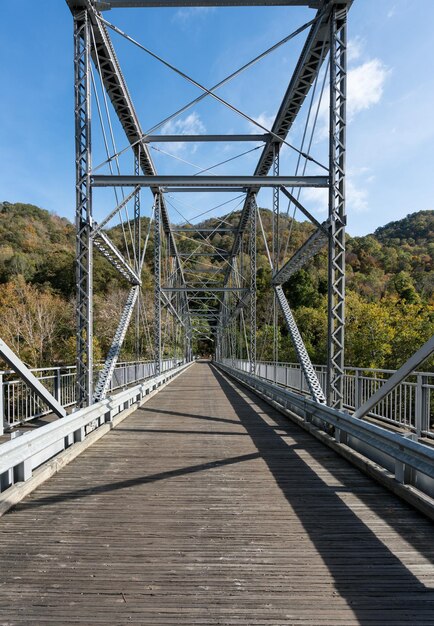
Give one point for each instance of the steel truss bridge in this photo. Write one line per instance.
(206, 504)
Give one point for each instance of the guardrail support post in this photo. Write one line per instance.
(57, 385)
(79, 435)
(421, 406)
(402, 473)
(23, 471)
(357, 389)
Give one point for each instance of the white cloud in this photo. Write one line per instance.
(357, 199)
(265, 120)
(316, 199)
(185, 15)
(364, 89)
(365, 86)
(354, 49)
(190, 125)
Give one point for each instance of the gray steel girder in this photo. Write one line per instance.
(106, 373)
(209, 181)
(311, 247)
(303, 357)
(115, 257)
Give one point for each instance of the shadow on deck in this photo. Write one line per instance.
(209, 507)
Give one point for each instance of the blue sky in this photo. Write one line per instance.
(391, 96)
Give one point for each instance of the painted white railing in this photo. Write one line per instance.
(408, 462)
(21, 455)
(19, 404)
(410, 405)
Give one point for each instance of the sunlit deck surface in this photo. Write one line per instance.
(207, 506)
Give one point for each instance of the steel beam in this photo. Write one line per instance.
(405, 370)
(231, 190)
(300, 349)
(83, 214)
(203, 289)
(311, 247)
(203, 138)
(252, 253)
(157, 285)
(108, 180)
(337, 218)
(192, 229)
(115, 257)
(137, 251)
(105, 5)
(106, 373)
(30, 379)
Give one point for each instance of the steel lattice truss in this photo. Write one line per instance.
(217, 301)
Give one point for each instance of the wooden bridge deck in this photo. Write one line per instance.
(208, 507)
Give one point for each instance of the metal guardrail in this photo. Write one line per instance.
(410, 405)
(20, 456)
(19, 404)
(411, 462)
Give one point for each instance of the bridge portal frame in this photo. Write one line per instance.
(327, 35)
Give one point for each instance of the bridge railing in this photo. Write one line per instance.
(19, 404)
(410, 405)
(398, 461)
(22, 455)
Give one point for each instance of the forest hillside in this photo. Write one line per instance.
(390, 284)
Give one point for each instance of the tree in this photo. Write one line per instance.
(35, 323)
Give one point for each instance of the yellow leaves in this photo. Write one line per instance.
(34, 323)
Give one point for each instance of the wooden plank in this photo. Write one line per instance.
(206, 506)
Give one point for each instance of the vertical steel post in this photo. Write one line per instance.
(275, 252)
(157, 289)
(84, 304)
(252, 246)
(137, 242)
(336, 269)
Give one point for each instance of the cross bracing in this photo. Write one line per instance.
(188, 268)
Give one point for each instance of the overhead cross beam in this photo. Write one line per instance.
(105, 5)
(208, 181)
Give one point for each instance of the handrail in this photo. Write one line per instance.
(409, 405)
(405, 452)
(21, 455)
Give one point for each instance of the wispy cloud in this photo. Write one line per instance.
(391, 12)
(355, 49)
(265, 120)
(187, 14)
(357, 197)
(365, 88)
(190, 125)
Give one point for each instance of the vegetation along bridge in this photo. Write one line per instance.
(202, 483)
